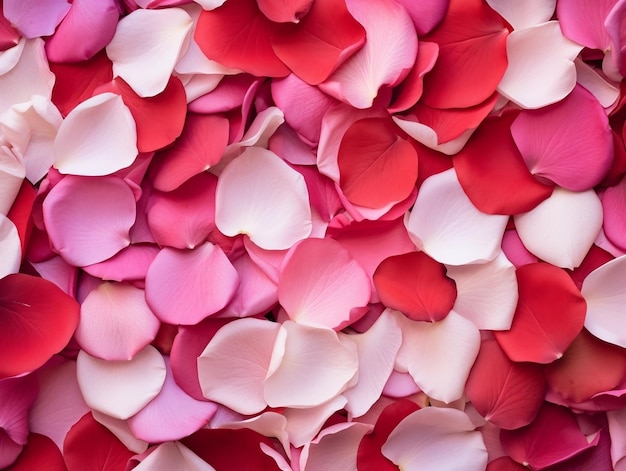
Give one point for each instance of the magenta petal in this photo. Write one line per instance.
(17, 396)
(583, 21)
(185, 286)
(569, 143)
(34, 18)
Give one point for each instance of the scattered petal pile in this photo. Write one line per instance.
(312, 235)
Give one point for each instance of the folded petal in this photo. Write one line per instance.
(120, 388)
(233, 366)
(385, 59)
(309, 366)
(569, 143)
(38, 320)
(604, 295)
(11, 247)
(104, 213)
(320, 284)
(550, 314)
(439, 355)
(335, 448)
(128, 264)
(321, 41)
(562, 228)
(541, 67)
(79, 150)
(149, 40)
(116, 322)
(446, 225)
(173, 455)
(303, 425)
(423, 440)
(486, 292)
(505, 393)
(185, 286)
(258, 194)
(416, 285)
(34, 18)
(377, 349)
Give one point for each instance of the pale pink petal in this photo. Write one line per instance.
(446, 225)
(541, 70)
(605, 294)
(269, 424)
(30, 76)
(210, 4)
(149, 40)
(234, 364)
(115, 322)
(569, 143)
(34, 18)
(320, 284)
(436, 438)
(79, 150)
(260, 195)
(604, 91)
(91, 228)
(400, 385)
(385, 59)
(309, 366)
(173, 455)
(439, 355)
(12, 173)
(10, 247)
(304, 424)
(120, 388)
(525, 14)
(121, 430)
(562, 229)
(428, 136)
(290, 147)
(377, 349)
(60, 403)
(486, 293)
(335, 449)
(171, 415)
(30, 128)
(10, 57)
(185, 286)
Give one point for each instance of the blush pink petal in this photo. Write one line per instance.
(10, 246)
(438, 355)
(34, 18)
(269, 261)
(613, 206)
(173, 455)
(60, 272)
(104, 213)
(425, 438)
(309, 366)
(377, 349)
(171, 415)
(522, 15)
(115, 322)
(583, 21)
(128, 264)
(569, 143)
(303, 424)
(605, 91)
(185, 286)
(291, 147)
(604, 294)
(228, 95)
(12, 173)
(258, 194)
(486, 293)
(617, 430)
(59, 404)
(426, 15)
(120, 388)
(562, 229)
(541, 67)
(80, 151)
(86, 29)
(386, 58)
(400, 385)
(320, 284)
(446, 225)
(149, 40)
(184, 217)
(233, 366)
(335, 448)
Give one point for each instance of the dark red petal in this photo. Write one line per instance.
(430, 162)
(322, 41)
(238, 35)
(9, 36)
(377, 167)
(550, 314)
(490, 166)
(595, 258)
(21, 210)
(227, 450)
(554, 436)
(369, 456)
(504, 463)
(472, 56)
(39, 454)
(416, 285)
(160, 118)
(37, 320)
(589, 366)
(77, 82)
(507, 394)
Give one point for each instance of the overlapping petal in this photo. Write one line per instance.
(34, 18)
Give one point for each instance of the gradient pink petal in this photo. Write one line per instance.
(583, 21)
(35, 18)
